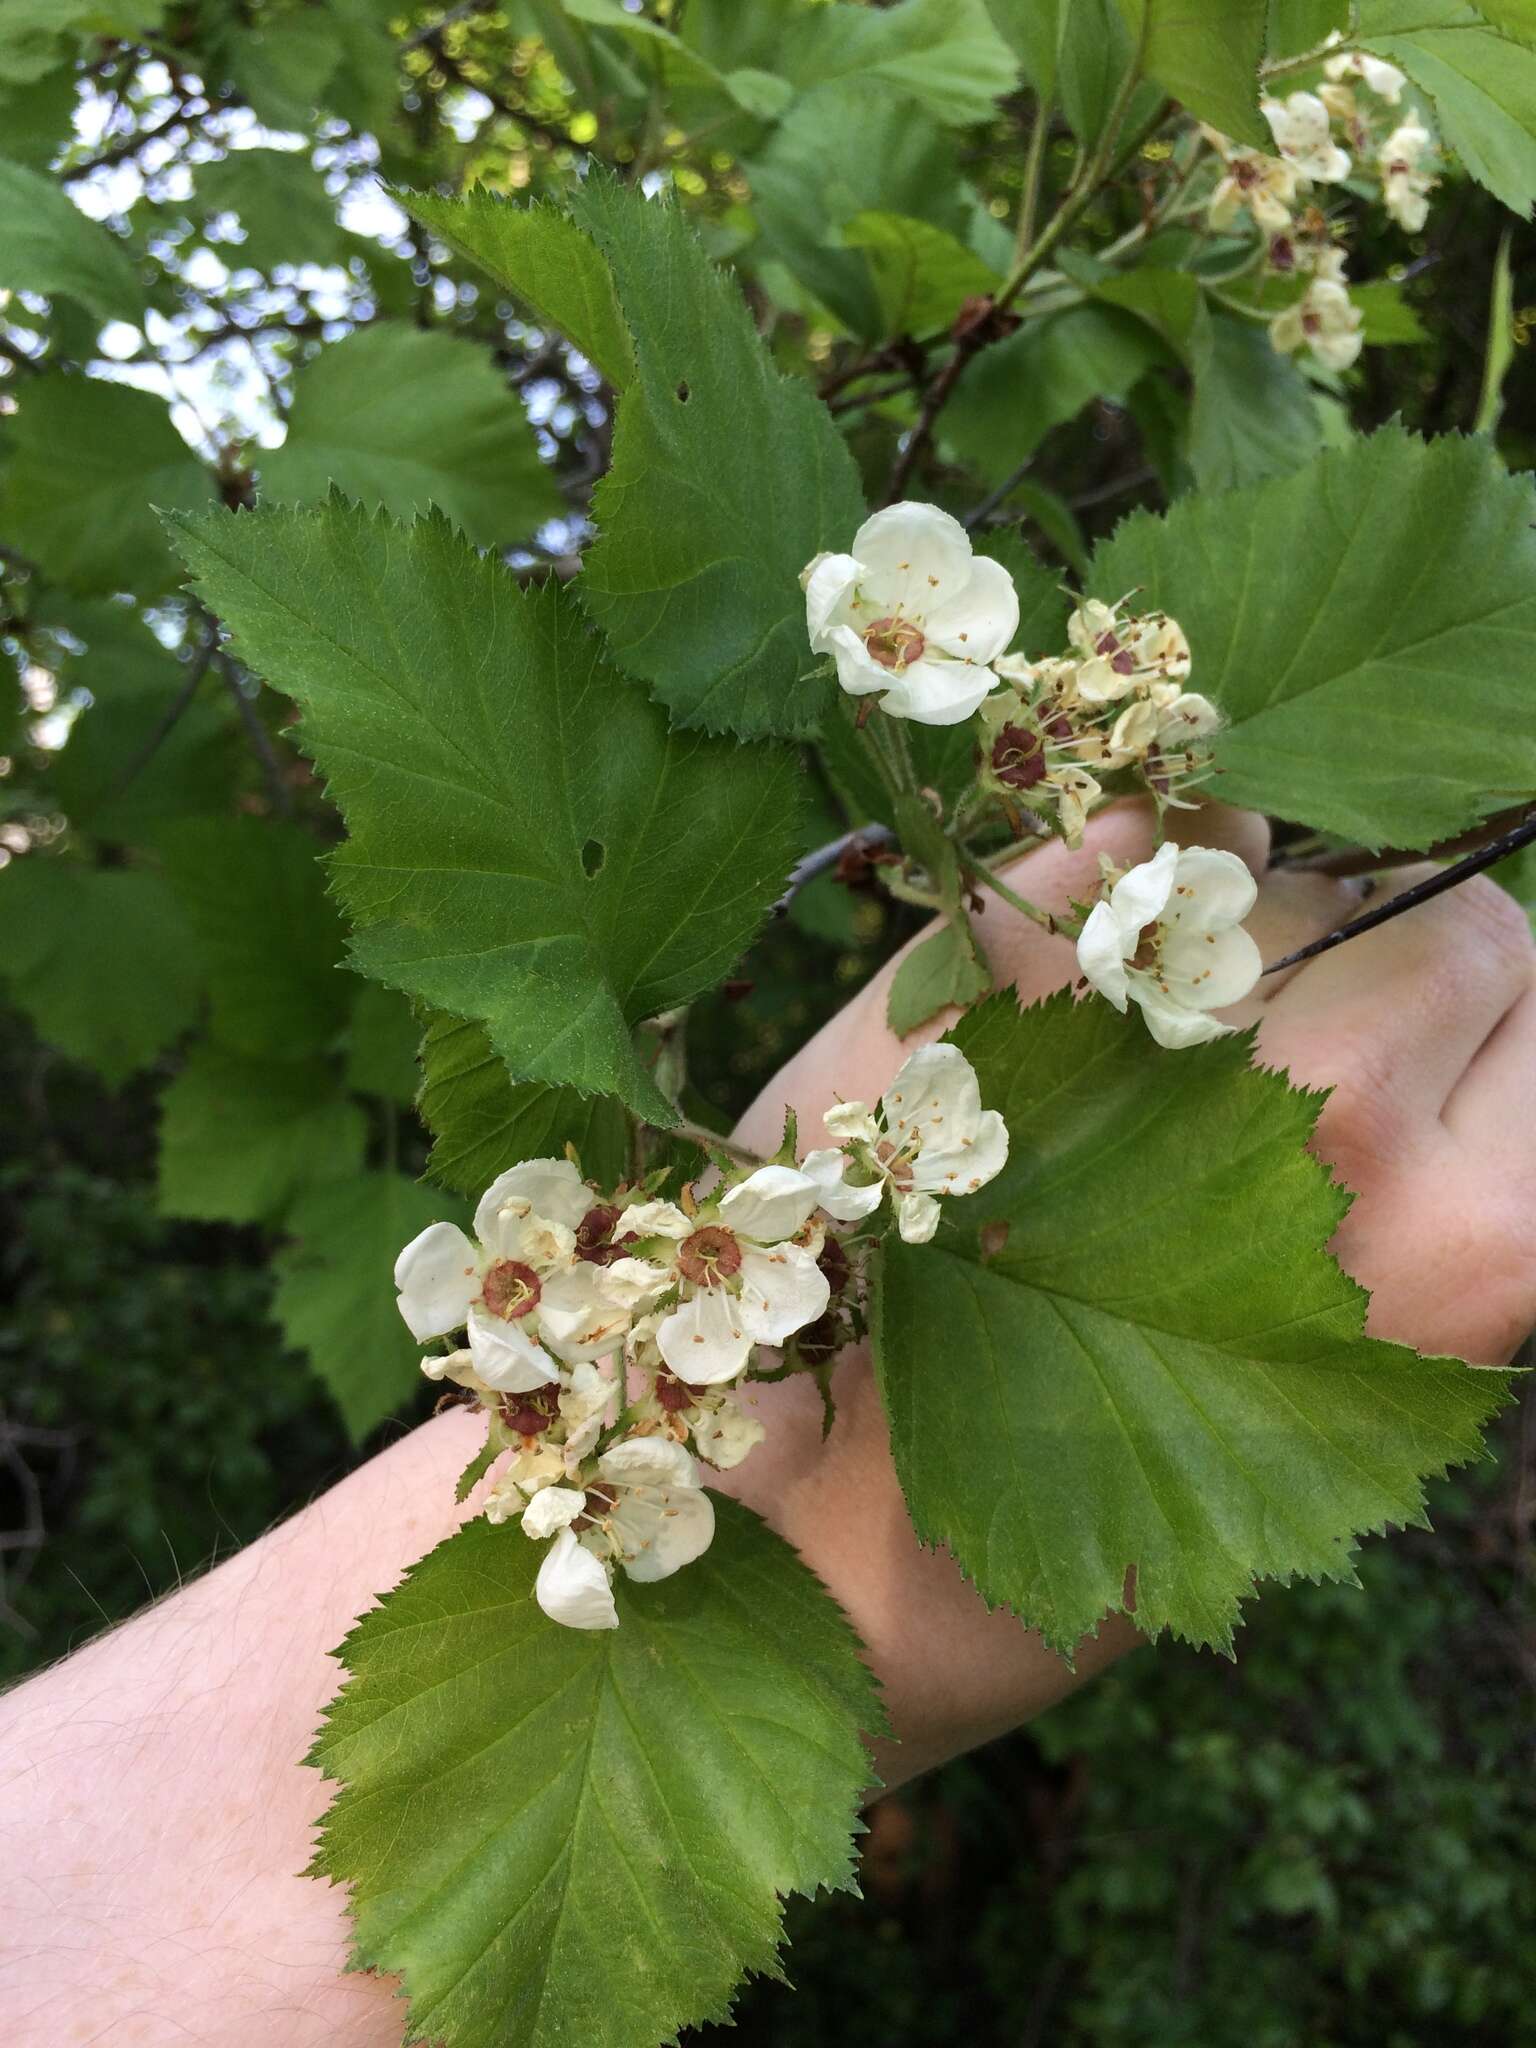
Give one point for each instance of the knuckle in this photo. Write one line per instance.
(1498, 922)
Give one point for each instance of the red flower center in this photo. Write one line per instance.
(894, 642)
(510, 1289)
(709, 1256)
(1018, 757)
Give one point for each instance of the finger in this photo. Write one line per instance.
(1394, 1017)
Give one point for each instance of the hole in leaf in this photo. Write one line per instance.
(683, 394)
(593, 854)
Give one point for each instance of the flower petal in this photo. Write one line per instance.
(1223, 887)
(851, 1120)
(648, 1461)
(844, 1204)
(438, 1277)
(935, 1097)
(935, 690)
(857, 670)
(914, 558)
(1101, 956)
(770, 1204)
(1209, 970)
(977, 624)
(656, 1219)
(703, 1340)
(552, 1508)
(577, 1319)
(1170, 1022)
(552, 1188)
(572, 1586)
(828, 593)
(1139, 897)
(505, 1357)
(659, 1535)
(917, 1218)
(962, 1169)
(781, 1291)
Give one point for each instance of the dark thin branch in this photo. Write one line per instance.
(129, 146)
(993, 499)
(454, 71)
(259, 737)
(1421, 892)
(169, 718)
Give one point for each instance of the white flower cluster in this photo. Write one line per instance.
(1310, 131)
(607, 1336)
(1168, 936)
(1114, 699)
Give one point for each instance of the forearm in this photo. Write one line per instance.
(156, 1817)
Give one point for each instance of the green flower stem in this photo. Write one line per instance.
(1084, 187)
(1047, 920)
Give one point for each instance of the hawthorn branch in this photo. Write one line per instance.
(129, 146)
(171, 716)
(1422, 892)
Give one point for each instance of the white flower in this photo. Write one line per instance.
(723, 1431)
(912, 613)
(1323, 319)
(938, 1139)
(1380, 77)
(528, 1304)
(844, 1204)
(1304, 137)
(1076, 790)
(1265, 185)
(1405, 185)
(1119, 654)
(644, 1509)
(851, 1120)
(532, 1469)
(1169, 937)
(741, 1280)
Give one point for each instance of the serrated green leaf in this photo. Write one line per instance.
(545, 260)
(1150, 1364)
(1386, 318)
(48, 245)
(483, 1121)
(271, 940)
(1253, 414)
(334, 1295)
(945, 54)
(923, 274)
(529, 845)
(91, 461)
(943, 969)
(285, 213)
(1482, 83)
(242, 1138)
(556, 1835)
(1297, 26)
(848, 147)
(1168, 300)
(727, 478)
(1367, 625)
(100, 960)
(1095, 54)
(1206, 53)
(405, 418)
(1012, 394)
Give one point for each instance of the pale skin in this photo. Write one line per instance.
(153, 1814)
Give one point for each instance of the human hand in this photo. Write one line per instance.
(1426, 1031)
